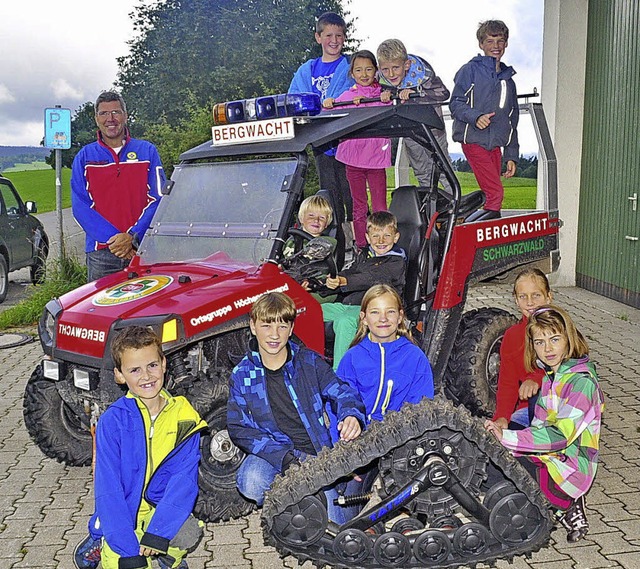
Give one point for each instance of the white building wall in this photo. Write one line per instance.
(562, 95)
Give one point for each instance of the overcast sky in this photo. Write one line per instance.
(65, 52)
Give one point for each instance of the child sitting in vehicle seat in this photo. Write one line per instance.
(560, 448)
(276, 404)
(314, 216)
(381, 262)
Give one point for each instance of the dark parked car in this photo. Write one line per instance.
(23, 241)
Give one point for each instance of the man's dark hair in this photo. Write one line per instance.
(330, 19)
(110, 96)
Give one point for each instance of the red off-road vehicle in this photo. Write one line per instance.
(215, 245)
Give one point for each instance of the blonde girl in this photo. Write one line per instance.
(383, 363)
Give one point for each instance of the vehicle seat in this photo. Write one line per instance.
(471, 203)
(334, 229)
(405, 205)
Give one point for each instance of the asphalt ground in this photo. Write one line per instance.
(44, 506)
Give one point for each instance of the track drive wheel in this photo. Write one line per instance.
(432, 547)
(352, 546)
(302, 524)
(515, 520)
(471, 539)
(392, 549)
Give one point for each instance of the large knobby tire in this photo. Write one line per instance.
(4, 278)
(53, 425)
(219, 499)
(471, 377)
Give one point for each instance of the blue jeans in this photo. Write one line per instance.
(255, 476)
(103, 262)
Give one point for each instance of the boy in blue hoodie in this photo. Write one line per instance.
(484, 105)
(144, 491)
(328, 76)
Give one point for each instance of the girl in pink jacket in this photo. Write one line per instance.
(365, 158)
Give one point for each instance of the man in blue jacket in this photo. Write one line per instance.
(484, 105)
(116, 185)
(277, 400)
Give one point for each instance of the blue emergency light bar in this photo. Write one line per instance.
(269, 107)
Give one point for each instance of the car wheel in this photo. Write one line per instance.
(219, 499)
(4, 278)
(471, 377)
(38, 269)
(53, 425)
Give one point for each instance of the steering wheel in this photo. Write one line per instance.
(300, 237)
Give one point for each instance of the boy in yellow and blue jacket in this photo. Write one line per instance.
(146, 470)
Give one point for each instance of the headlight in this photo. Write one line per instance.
(47, 325)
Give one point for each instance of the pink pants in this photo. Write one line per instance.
(487, 167)
(358, 178)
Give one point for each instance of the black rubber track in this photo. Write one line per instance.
(397, 428)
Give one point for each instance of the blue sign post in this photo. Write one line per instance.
(57, 136)
(57, 128)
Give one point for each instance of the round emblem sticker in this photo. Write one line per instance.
(131, 290)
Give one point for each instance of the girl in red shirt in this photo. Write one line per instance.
(516, 385)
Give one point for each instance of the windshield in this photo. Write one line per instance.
(229, 207)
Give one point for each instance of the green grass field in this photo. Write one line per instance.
(33, 166)
(40, 186)
(519, 193)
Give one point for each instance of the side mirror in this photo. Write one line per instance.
(31, 207)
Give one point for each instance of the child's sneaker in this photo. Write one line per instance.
(86, 555)
(166, 562)
(575, 521)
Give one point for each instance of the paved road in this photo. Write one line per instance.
(44, 506)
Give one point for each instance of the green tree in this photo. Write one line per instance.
(171, 141)
(83, 131)
(188, 54)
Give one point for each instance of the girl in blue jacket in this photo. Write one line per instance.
(383, 363)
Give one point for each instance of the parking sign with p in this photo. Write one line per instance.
(57, 128)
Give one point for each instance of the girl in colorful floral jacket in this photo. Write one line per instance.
(560, 448)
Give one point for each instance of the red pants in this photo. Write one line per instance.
(487, 167)
(358, 178)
